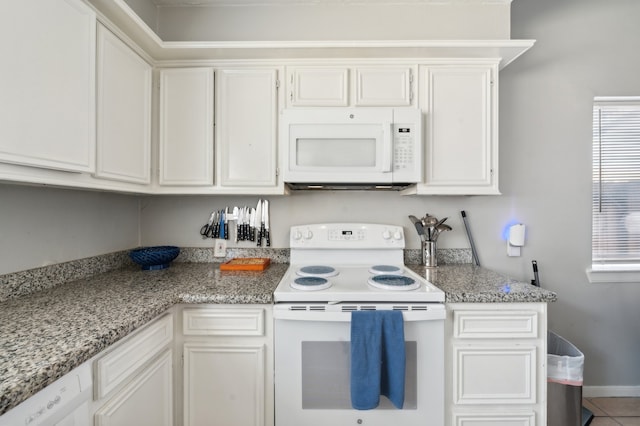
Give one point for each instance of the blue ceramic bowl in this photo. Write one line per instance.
(153, 258)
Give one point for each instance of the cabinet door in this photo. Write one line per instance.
(224, 384)
(461, 145)
(383, 86)
(318, 86)
(186, 127)
(47, 106)
(247, 127)
(145, 401)
(124, 111)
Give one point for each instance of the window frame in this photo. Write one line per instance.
(614, 270)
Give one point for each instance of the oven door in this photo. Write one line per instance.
(312, 359)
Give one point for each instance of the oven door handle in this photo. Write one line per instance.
(285, 313)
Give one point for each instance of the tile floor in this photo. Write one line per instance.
(614, 411)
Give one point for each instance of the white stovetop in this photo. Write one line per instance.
(350, 285)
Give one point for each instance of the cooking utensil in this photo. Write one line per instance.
(267, 235)
(473, 247)
(222, 225)
(414, 219)
(418, 225)
(420, 230)
(429, 220)
(244, 228)
(238, 219)
(207, 229)
(216, 225)
(259, 223)
(226, 223)
(252, 224)
(439, 229)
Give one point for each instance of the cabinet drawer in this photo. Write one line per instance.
(495, 375)
(223, 322)
(120, 363)
(496, 325)
(495, 419)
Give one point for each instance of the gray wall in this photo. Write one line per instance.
(43, 226)
(585, 48)
(336, 20)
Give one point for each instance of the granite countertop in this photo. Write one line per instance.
(469, 283)
(46, 334)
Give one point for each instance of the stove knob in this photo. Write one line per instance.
(297, 235)
(309, 234)
(386, 234)
(397, 235)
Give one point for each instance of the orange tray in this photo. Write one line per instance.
(246, 264)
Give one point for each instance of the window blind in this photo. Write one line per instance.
(616, 183)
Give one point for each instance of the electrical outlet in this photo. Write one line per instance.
(220, 248)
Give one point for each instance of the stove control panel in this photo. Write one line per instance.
(346, 236)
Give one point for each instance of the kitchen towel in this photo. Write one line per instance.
(377, 358)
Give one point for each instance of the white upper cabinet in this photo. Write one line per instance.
(461, 147)
(383, 86)
(246, 128)
(124, 111)
(375, 85)
(318, 86)
(186, 127)
(47, 82)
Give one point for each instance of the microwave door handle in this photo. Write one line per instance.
(387, 148)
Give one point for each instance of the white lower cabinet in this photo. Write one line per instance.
(133, 381)
(227, 365)
(497, 364)
(145, 401)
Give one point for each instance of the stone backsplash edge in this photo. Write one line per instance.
(21, 283)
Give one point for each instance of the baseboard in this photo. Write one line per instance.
(610, 391)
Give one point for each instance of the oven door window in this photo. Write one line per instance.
(326, 375)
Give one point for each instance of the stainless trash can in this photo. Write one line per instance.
(565, 366)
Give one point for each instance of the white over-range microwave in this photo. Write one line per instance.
(351, 148)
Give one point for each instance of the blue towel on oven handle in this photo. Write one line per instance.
(377, 358)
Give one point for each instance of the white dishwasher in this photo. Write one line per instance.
(65, 402)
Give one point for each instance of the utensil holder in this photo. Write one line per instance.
(429, 254)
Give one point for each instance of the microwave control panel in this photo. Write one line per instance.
(406, 152)
(403, 155)
(406, 134)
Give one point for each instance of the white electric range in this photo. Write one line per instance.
(336, 269)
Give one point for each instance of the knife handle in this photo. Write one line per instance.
(226, 231)
(267, 238)
(259, 236)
